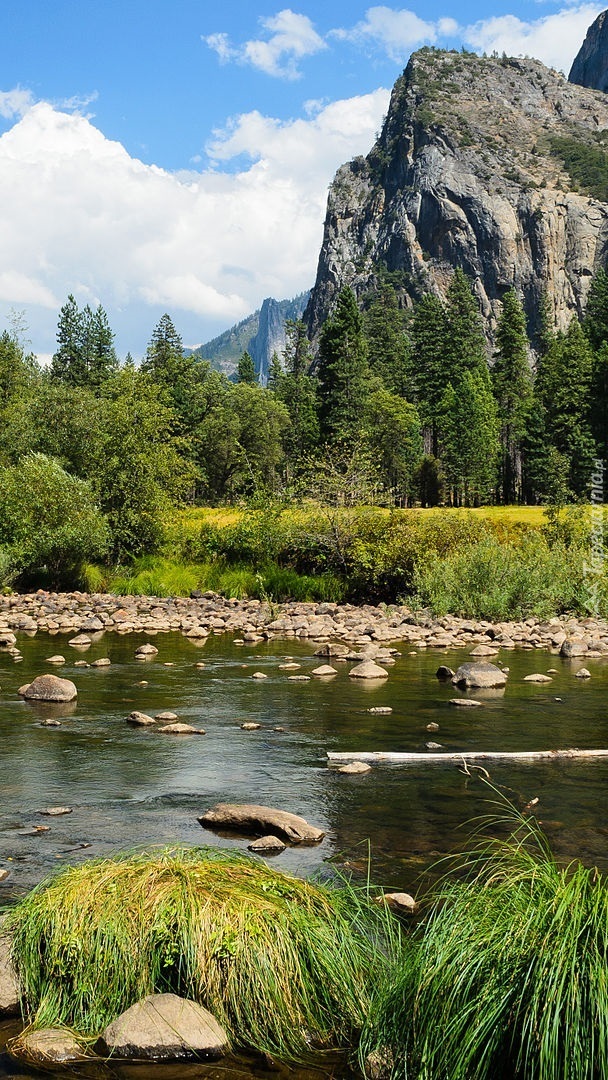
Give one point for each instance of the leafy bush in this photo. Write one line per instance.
(49, 522)
(503, 581)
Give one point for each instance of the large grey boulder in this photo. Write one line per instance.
(479, 675)
(161, 1027)
(250, 817)
(49, 688)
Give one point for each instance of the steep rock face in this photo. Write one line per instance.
(270, 337)
(468, 172)
(260, 334)
(590, 67)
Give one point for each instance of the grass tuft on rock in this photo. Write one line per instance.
(508, 978)
(284, 964)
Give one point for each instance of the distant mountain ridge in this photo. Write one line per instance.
(260, 334)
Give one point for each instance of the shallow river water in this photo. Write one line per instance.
(132, 787)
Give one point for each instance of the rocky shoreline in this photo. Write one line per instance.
(199, 616)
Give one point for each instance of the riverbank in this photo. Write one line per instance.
(198, 617)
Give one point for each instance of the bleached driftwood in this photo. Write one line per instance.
(387, 758)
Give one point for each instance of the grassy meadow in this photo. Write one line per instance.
(491, 562)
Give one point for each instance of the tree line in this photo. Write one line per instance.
(400, 407)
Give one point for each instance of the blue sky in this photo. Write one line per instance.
(176, 156)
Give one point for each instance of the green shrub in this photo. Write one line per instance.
(49, 521)
(496, 581)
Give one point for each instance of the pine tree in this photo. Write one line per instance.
(98, 342)
(465, 344)
(388, 345)
(165, 361)
(343, 370)
(512, 383)
(297, 389)
(275, 372)
(69, 362)
(599, 400)
(430, 374)
(563, 384)
(469, 440)
(85, 355)
(595, 322)
(245, 372)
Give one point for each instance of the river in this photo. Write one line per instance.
(132, 787)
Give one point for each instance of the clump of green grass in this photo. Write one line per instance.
(509, 977)
(284, 964)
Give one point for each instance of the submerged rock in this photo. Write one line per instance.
(181, 729)
(48, 1046)
(162, 1027)
(251, 817)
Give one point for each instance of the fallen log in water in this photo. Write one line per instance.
(386, 758)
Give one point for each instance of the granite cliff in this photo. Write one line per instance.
(478, 165)
(260, 334)
(590, 67)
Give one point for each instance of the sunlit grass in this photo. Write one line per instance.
(284, 964)
(509, 978)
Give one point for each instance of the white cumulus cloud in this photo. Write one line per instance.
(80, 215)
(15, 103)
(555, 39)
(290, 37)
(397, 32)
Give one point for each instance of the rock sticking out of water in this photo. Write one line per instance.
(355, 767)
(162, 1027)
(538, 677)
(48, 688)
(368, 670)
(479, 675)
(267, 845)
(324, 671)
(401, 902)
(140, 718)
(10, 997)
(251, 817)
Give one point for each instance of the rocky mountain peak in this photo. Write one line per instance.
(590, 67)
(475, 167)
